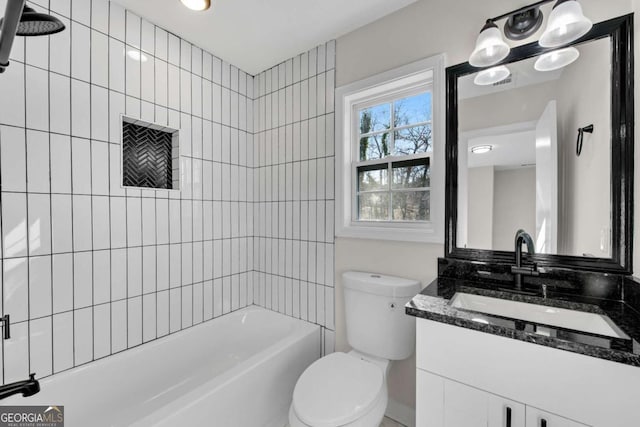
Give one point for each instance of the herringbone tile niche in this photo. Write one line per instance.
(150, 155)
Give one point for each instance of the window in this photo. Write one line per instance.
(390, 171)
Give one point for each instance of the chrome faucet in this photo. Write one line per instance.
(518, 270)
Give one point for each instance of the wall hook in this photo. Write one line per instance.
(581, 131)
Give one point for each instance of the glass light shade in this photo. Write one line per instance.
(566, 24)
(491, 76)
(490, 47)
(557, 59)
(198, 5)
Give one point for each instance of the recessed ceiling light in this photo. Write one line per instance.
(198, 5)
(481, 149)
(137, 56)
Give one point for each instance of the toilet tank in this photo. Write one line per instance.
(374, 313)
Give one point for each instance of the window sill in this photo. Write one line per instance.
(394, 232)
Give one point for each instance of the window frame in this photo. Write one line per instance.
(356, 163)
(390, 85)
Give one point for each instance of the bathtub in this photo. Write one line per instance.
(238, 370)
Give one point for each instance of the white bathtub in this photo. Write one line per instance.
(238, 370)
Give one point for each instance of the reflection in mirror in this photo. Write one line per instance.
(518, 167)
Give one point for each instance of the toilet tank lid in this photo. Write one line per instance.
(379, 284)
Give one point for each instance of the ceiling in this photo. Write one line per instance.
(255, 35)
(510, 150)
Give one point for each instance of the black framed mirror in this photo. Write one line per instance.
(576, 204)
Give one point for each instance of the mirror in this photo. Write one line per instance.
(535, 146)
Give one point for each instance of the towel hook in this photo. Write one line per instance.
(581, 131)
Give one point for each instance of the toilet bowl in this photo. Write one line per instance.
(341, 389)
(350, 389)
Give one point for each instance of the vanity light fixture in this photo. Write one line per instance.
(137, 56)
(481, 149)
(197, 5)
(492, 75)
(556, 59)
(490, 47)
(566, 24)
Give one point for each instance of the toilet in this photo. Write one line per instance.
(350, 389)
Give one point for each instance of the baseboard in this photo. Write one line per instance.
(401, 413)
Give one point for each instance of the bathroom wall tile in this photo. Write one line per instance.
(38, 161)
(134, 221)
(102, 330)
(101, 276)
(100, 15)
(13, 158)
(80, 52)
(132, 29)
(149, 269)
(80, 109)
(134, 272)
(132, 73)
(82, 279)
(37, 113)
(40, 347)
(162, 40)
(116, 65)
(14, 227)
(83, 335)
(82, 223)
(59, 103)
(100, 222)
(40, 300)
(62, 282)
(99, 58)
(39, 226)
(149, 327)
(99, 113)
(118, 326)
(162, 311)
(12, 86)
(134, 321)
(118, 274)
(175, 310)
(16, 354)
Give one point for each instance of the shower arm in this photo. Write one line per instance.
(12, 15)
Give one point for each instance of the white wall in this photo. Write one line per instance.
(419, 31)
(480, 202)
(514, 205)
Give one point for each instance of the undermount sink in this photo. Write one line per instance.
(592, 323)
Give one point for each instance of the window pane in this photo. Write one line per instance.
(413, 140)
(375, 119)
(412, 174)
(373, 206)
(414, 109)
(411, 206)
(375, 147)
(373, 178)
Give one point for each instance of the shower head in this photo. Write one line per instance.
(34, 23)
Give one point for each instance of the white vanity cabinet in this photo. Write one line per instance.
(467, 378)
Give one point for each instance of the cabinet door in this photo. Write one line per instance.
(505, 413)
(539, 418)
(464, 406)
(429, 400)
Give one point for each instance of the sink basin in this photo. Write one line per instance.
(592, 323)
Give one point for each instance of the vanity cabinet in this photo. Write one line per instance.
(452, 404)
(468, 378)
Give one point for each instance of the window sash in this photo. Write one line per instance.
(388, 163)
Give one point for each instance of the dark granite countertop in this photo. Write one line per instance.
(433, 303)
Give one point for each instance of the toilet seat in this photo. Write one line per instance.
(336, 390)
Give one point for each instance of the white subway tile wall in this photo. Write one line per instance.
(293, 189)
(90, 268)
